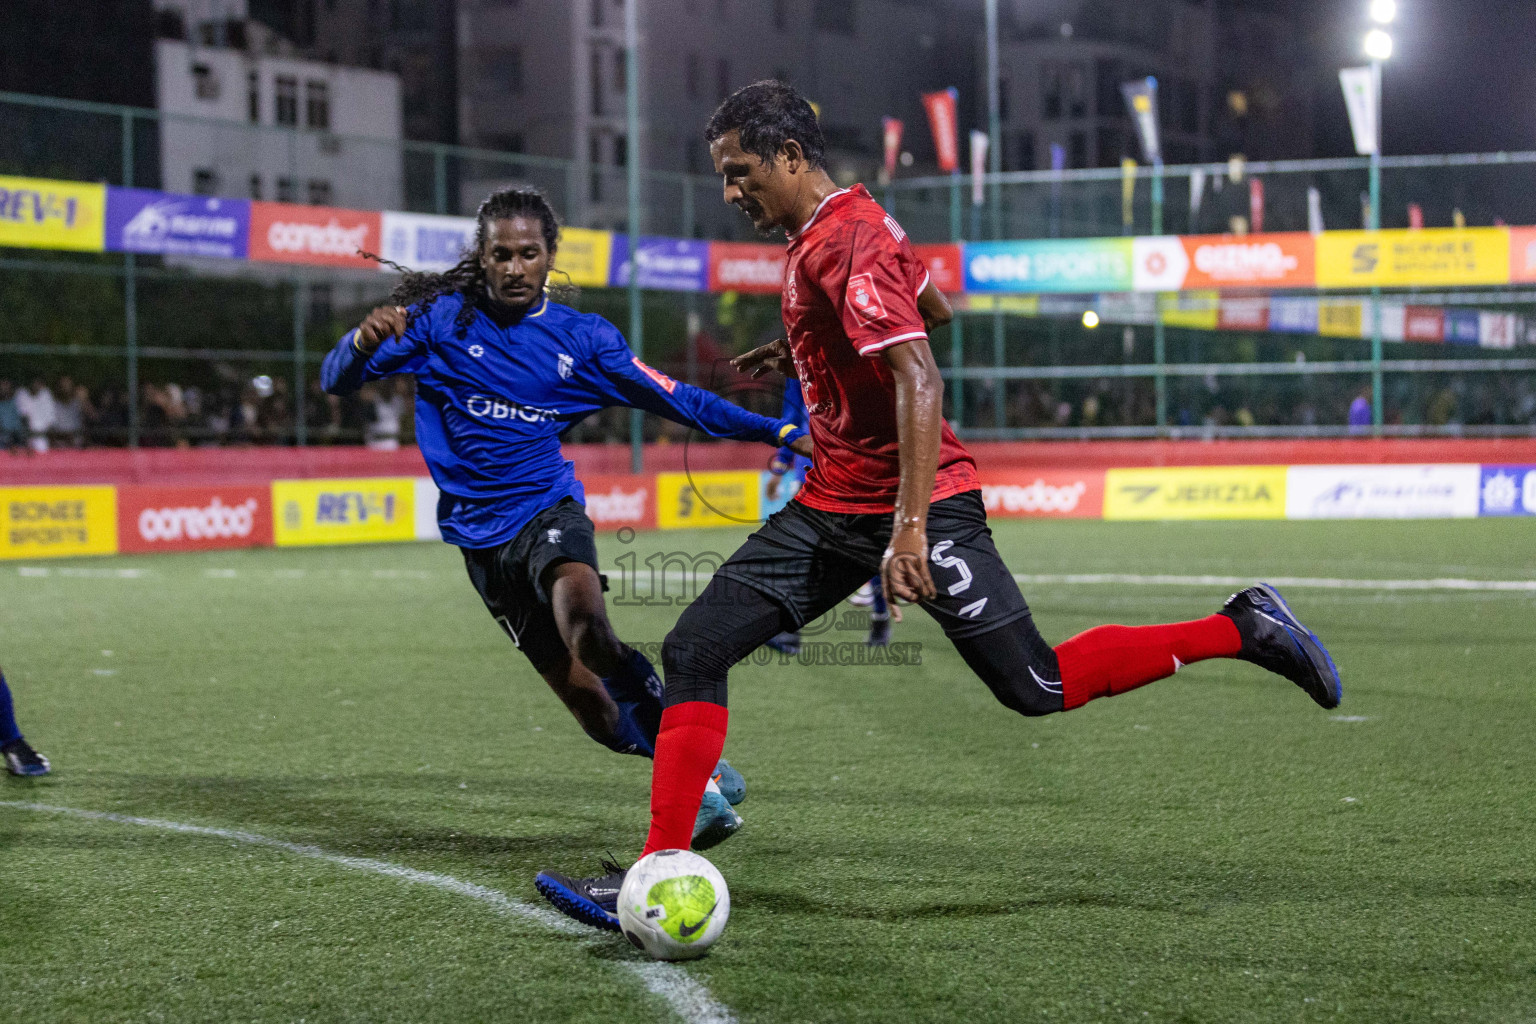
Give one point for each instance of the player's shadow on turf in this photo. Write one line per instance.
(335, 813)
(743, 897)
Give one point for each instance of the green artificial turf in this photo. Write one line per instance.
(1213, 847)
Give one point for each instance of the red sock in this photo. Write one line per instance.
(687, 750)
(1108, 660)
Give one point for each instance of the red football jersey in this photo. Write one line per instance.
(850, 291)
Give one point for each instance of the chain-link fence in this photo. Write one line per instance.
(178, 350)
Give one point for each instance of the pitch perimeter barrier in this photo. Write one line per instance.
(61, 522)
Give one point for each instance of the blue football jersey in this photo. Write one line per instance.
(493, 400)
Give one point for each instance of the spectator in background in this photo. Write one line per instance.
(13, 432)
(383, 432)
(1360, 413)
(38, 410)
(69, 413)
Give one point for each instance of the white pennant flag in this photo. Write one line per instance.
(979, 141)
(1362, 94)
(1196, 196)
(1314, 210)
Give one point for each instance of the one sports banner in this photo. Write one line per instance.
(943, 112)
(423, 241)
(143, 220)
(1050, 265)
(36, 213)
(288, 233)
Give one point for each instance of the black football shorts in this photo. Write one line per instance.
(510, 577)
(807, 561)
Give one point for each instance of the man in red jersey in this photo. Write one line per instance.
(891, 489)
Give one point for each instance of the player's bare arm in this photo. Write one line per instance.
(383, 322)
(919, 402)
(935, 308)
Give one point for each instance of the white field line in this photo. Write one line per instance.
(1060, 579)
(687, 998)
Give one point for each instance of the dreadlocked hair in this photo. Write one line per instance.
(420, 289)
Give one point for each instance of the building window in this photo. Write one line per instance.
(1050, 92)
(1111, 146)
(319, 192)
(205, 84)
(1002, 99)
(595, 66)
(781, 14)
(621, 151)
(834, 16)
(599, 9)
(722, 79)
(285, 190)
(1107, 76)
(621, 70)
(287, 88)
(1023, 152)
(317, 105)
(1077, 91)
(692, 76)
(256, 186)
(253, 97)
(504, 68)
(596, 154)
(1077, 149)
(205, 181)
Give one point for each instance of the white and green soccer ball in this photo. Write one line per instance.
(673, 905)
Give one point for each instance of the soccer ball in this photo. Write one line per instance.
(673, 905)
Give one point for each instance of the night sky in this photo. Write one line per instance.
(1462, 79)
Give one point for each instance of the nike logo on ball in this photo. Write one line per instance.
(686, 931)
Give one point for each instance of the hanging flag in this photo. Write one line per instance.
(1314, 210)
(942, 108)
(1128, 194)
(1415, 217)
(1362, 95)
(1458, 219)
(979, 142)
(1236, 164)
(891, 132)
(1141, 100)
(1196, 197)
(1256, 205)
(1365, 210)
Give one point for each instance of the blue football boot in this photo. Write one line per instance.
(1274, 638)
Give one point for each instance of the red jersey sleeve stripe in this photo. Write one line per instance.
(923, 287)
(889, 340)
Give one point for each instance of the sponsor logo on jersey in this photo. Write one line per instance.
(864, 298)
(477, 350)
(664, 382)
(496, 409)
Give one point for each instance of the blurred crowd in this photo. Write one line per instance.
(38, 416)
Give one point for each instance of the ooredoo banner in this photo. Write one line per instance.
(746, 267)
(193, 518)
(618, 501)
(1052, 494)
(285, 233)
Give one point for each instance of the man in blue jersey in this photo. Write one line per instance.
(501, 373)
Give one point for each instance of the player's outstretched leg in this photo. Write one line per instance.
(1274, 638)
(20, 758)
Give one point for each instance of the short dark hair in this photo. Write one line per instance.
(766, 115)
